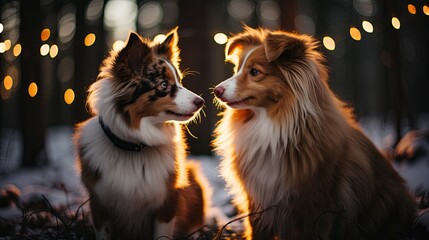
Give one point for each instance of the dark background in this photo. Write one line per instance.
(383, 75)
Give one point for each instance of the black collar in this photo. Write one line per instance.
(122, 144)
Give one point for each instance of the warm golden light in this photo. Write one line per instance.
(412, 9)
(69, 96)
(159, 38)
(426, 10)
(396, 23)
(8, 82)
(7, 44)
(220, 38)
(118, 45)
(45, 34)
(17, 50)
(2, 47)
(367, 26)
(329, 43)
(44, 49)
(89, 39)
(355, 33)
(53, 52)
(32, 89)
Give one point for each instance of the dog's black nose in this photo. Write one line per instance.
(218, 91)
(199, 102)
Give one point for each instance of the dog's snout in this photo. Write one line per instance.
(218, 91)
(198, 102)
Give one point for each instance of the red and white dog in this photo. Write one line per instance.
(291, 151)
(132, 153)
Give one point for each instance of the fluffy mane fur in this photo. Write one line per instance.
(295, 146)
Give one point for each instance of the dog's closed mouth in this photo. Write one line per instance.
(187, 115)
(241, 102)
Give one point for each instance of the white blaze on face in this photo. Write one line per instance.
(184, 99)
(230, 84)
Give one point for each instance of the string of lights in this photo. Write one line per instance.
(52, 50)
(367, 26)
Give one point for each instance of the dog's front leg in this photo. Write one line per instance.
(164, 229)
(100, 218)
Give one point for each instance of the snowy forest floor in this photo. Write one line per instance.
(50, 202)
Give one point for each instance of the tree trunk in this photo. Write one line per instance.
(32, 108)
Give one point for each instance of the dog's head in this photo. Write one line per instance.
(278, 71)
(143, 80)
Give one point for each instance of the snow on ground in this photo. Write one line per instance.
(60, 184)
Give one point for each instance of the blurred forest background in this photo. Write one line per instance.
(50, 51)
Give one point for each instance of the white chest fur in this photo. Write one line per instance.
(135, 180)
(259, 153)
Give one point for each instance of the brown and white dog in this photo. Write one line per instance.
(291, 150)
(132, 153)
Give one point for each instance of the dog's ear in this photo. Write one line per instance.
(236, 44)
(169, 49)
(133, 56)
(279, 45)
(233, 49)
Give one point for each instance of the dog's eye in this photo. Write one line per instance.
(164, 85)
(254, 72)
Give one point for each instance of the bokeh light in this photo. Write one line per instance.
(7, 44)
(355, 33)
(329, 43)
(66, 68)
(426, 10)
(32, 89)
(150, 14)
(367, 26)
(44, 49)
(53, 51)
(45, 34)
(89, 39)
(269, 12)
(69, 96)
(94, 10)
(67, 24)
(305, 24)
(120, 16)
(366, 8)
(396, 23)
(220, 38)
(17, 50)
(118, 45)
(8, 82)
(241, 9)
(412, 9)
(1, 27)
(159, 38)
(2, 47)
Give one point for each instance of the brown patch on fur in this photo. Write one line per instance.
(144, 107)
(186, 204)
(168, 210)
(243, 115)
(288, 46)
(190, 210)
